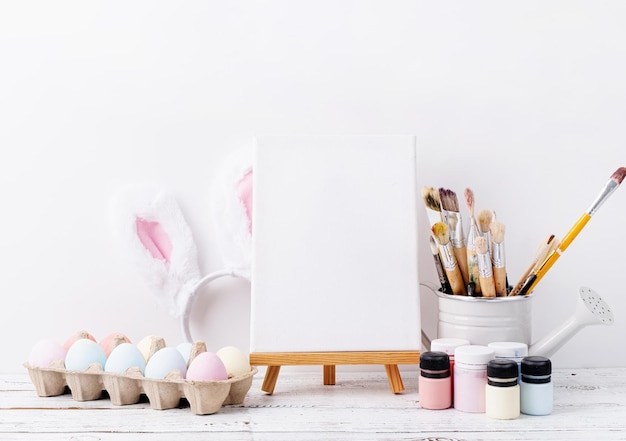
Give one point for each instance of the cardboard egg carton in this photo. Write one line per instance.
(204, 397)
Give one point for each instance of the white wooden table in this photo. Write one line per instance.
(589, 404)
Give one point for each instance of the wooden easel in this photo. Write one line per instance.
(329, 360)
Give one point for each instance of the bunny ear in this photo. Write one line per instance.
(158, 240)
(231, 206)
(154, 238)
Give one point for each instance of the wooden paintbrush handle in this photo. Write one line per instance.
(455, 278)
(499, 279)
(461, 260)
(488, 286)
(485, 275)
(472, 268)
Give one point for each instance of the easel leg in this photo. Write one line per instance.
(329, 375)
(395, 380)
(269, 382)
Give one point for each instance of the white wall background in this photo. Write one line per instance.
(522, 101)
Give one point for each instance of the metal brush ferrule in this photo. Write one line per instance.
(484, 265)
(456, 229)
(447, 257)
(497, 255)
(609, 188)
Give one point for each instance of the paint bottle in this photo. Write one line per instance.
(536, 388)
(511, 350)
(448, 345)
(502, 393)
(435, 383)
(470, 377)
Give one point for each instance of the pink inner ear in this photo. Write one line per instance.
(244, 191)
(154, 238)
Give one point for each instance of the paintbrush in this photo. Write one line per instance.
(483, 220)
(452, 216)
(540, 261)
(540, 254)
(614, 181)
(443, 279)
(485, 271)
(441, 233)
(498, 261)
(432, 204)
(472, 234)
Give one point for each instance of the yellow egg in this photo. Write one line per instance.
(235, 361)
(149, 345)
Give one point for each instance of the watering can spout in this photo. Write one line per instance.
(591, 309)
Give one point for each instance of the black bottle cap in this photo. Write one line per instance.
(434, 361)
(502, 368)
(536, 365)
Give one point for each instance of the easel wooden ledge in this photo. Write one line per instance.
(390, 359)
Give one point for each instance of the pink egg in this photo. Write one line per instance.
(112, 340)
(45, 352)
(207, 366)
(77, 336)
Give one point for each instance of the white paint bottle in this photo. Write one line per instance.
(512, 350)
(470, 377)
(502, 393)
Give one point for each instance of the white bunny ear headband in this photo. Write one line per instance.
(159, 241)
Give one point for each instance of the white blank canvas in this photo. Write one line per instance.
(335, 244)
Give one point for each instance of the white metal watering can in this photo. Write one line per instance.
(484, 320)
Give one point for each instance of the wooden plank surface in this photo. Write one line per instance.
(588, 404)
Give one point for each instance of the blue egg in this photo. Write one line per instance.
(123, 357)
(83, 353)
(165, 361)
(185, 350)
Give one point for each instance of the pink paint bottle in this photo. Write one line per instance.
(435, 383)
(470, 377)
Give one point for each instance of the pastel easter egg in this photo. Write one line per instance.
(185, 350)
(207, 366)
(149, 345)
(83, 353)
(77, 336)
(236, 362)
(123, 357)
(45, 352)
(163, 362)
(112, 340)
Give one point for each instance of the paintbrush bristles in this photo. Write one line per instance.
(619, 174)
(431, 198)
(449, 201)
(442, 233)
(496, 228)
(484, 218)
(469, 200)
